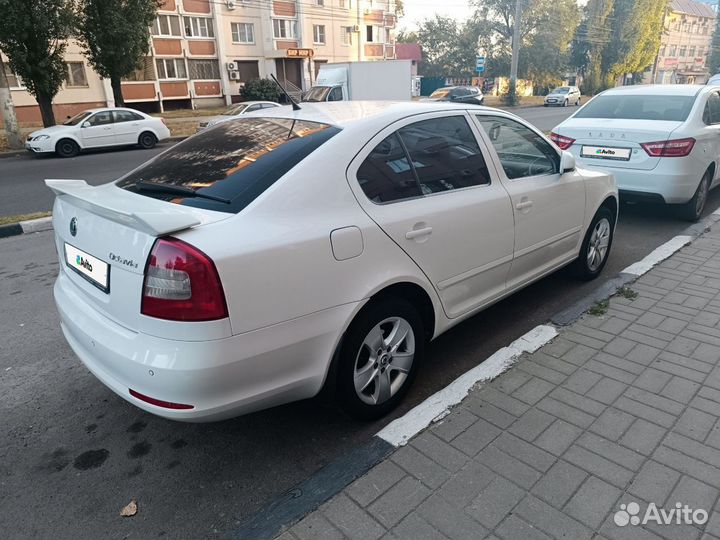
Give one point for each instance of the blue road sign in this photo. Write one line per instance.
(480, 64)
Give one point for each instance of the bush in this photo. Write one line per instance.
(261, 90)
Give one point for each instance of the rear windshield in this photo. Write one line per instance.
(672, 108)
(229, 165)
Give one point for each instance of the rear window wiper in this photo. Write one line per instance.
(178, 190)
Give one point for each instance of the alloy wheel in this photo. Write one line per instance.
(598, 245)
(384, 360)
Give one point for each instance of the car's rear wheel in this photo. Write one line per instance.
(693, 209)
(596, 245)
(147, 140)
(565, 103)
(577, 104)
(379, 358)
(67, 148)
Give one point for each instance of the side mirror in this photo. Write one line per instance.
(567, 162)
(85, 124)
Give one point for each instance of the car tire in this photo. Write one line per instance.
(565, 103)
(596, 245)
(577, 104)
(368, 384)
(693, 209)
(147, 140)
(67, 148)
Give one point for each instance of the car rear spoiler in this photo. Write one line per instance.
(149, 215)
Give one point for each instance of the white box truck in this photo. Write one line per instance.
(389, 80)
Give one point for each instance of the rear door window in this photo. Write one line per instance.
(386, 175)
(711, 114)
(227, 167)
(101, 119)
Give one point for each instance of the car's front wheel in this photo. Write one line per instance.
(596, 245)
(147, 140)
(67, 148)
(693, 209)
(577, 104)
(565, 103)
(379, 357)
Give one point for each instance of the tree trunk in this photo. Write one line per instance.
(12, 131)
(46, 110)
(117, 91)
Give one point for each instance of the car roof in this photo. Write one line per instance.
(252, 103)
(101, 109)
(656, 90)
(345, 113)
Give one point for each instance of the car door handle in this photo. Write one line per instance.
(416, 233)
(523, 205)
(107, 128)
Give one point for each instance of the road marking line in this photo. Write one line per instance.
(658, 255)
(401, 430)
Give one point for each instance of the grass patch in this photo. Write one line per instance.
(627, 292)
(600, 308)
(186, 113)
(8, 220)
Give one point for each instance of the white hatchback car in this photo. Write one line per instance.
(662, 142)
(98, 128)
(268, 256)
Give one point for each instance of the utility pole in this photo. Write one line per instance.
(512, 93)
(12, 132)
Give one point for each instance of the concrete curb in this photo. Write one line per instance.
(26, 227)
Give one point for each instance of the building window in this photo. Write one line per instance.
(346, 33)
(320, 2)
(673, 50)
(198, 27)
(683, 50)
(372, 34)
(284, 29)
(691, 52)
(319, 34)
(700, 51)
(75, 74)
(342, 4)
(166, 25)
(171, 68)
(243, 32)
(204, 69)
(662, 50)
(146, 72)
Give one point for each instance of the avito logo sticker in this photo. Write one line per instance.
(605, 152)
(84, 263)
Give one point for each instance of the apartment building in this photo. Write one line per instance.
(685, 44)
(202, 52)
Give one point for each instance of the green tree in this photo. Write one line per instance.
(115, 35)
(33, 35)
(261, 90)
(405, 36)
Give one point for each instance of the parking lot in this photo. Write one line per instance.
(85, 452)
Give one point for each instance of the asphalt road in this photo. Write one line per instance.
(22, 178)
(72, 454)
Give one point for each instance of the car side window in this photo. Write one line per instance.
(711, 114)
(335, 94)
(444, 154)
(522, 152)
(126, 116)
(386, 175)
(253, 108)
(101, 118)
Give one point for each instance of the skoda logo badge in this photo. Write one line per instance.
(73, 226)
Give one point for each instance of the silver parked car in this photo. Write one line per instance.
(564, 96)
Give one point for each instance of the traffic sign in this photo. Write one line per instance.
(480, 64)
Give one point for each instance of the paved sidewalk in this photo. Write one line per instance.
(621, 408)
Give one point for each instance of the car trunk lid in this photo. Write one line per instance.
(103, 237)
(616, 134)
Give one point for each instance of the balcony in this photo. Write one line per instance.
(389, 52)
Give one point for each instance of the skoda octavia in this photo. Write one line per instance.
(269, 256)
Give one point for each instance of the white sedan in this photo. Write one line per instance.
(258, 261)
(236, 110)
(661, 142)
(98, 128)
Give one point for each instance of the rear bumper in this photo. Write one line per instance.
(219, 378)
(673, 180)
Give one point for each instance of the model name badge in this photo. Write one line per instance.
(122, 260)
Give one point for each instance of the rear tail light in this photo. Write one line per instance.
(181, 284)
(676, 148)
(563, 142)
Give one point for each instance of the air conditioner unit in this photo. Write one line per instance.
(232, 66)
(355, 27)
(234, 75)
(231, 4)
